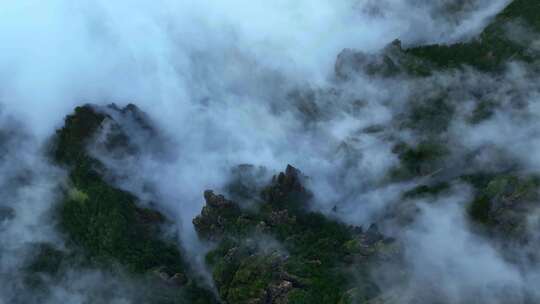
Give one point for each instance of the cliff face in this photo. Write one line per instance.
(282, 252)
(268, 243)
(278, 252)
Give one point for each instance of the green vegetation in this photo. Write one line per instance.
(431, 116)
(102, 219)
(424, 159)
(278, 251)
(48, 259)
(243, 276)
(483, 110)
(500, 200)
(523, 10)
(108, 225)
(426, 190)
(491, 49)
(104, 222)
(310, 264)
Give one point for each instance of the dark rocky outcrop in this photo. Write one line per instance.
(105, 223)
(280, 252)
(217, 215)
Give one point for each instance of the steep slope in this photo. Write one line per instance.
(268, 244)
(104, 225)
(508, 37)
(280, 252)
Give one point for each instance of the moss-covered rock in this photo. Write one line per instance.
(310, 262)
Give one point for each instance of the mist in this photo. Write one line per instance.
(246, 82)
